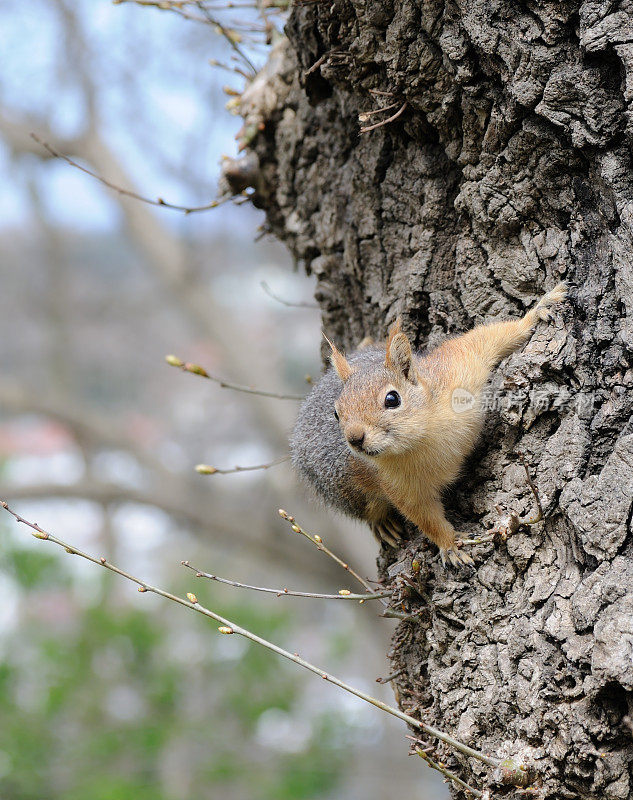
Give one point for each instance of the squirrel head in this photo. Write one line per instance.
(382, 408)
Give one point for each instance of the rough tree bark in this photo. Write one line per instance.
(508, 169)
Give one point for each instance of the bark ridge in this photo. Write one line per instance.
(508, 169)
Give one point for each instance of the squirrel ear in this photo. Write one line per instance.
(341, 365)
(399, 356)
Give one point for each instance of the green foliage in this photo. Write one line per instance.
(102, 699)
(31, 569)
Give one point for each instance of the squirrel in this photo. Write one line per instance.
(387, 429)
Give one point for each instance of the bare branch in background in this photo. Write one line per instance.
(391, 677)
(126, 192)
(196, 369)
(317, 541)
(231, 36)
(288, 303)
(207, 469)
(164, 257)
(204, 517)
(343, 594)
(111, 493)
(229, 627)
(86, 426)
(437, 765)
(16, 134)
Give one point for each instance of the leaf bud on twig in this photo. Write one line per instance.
(205, 469)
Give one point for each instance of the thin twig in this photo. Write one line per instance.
(323, 59)
(391, 677)
(196, 369)
(317, 541)
(483, 539)
(504, 527)
(213, 62)
(511, 522)
(228, 627)
(316, 65)
(210, 6)
(227, 35)
(344, 594)
(364, 115)
(395, 116)
(207, 469)
(176, 8)
(390, 612)
(447, 773)
(127, 192)
(288, 303)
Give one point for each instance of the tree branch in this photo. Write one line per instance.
(176, 8)
(317, 541)
(447, 773)
(196, 369)
(87, 427)
(177, 501)
(229, 627)
(344, 594)
(126, 192)
(287, 303)
(163, 255)
(207, 469)
(387, 121)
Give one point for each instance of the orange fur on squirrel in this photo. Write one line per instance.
(397, 425)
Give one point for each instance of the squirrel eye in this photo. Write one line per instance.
(392, 400)
(335, 415)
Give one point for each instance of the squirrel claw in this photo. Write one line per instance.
(454, 557)
(387, 532)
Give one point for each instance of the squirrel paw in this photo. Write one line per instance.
(544, 306)
(388, 531)
(456, 558)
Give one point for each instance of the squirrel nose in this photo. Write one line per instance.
(356, 437)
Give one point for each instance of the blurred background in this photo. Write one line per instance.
(106, 694)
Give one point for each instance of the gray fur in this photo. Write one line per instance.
(317, 446)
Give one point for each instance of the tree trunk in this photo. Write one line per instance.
(508, 169)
